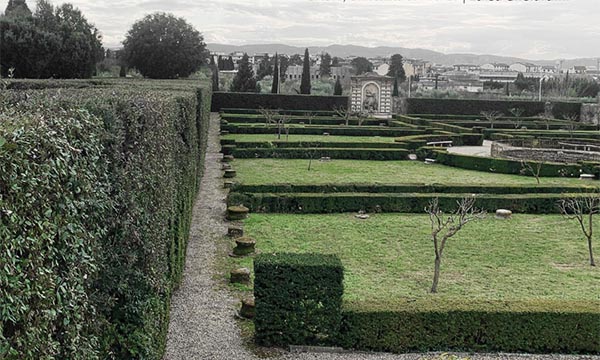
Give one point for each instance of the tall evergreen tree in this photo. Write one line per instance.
(325, 68)
(396, 68)
(275, 86)
(305, 82)
(230, 64)
(220, 63)
(17, 8)
(395, 91)
(337, 90)
(215, 77)
(244, 80)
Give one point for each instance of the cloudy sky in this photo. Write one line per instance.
(533, 29)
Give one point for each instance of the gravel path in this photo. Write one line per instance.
(203, 322)
(202, 316)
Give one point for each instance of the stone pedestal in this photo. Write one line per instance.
(503, 214)
(235, 231)
(240, 276)
(244, 246)
(248, 308)
(237, 212)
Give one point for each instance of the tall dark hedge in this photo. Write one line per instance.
(223, 100)
(475, 107)
(103, 181)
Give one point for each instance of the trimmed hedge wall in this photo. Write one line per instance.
(504, 166)
(536, 326)
(475, 107)
(415, 188)
(96, 210)
(318, 120)
(221, 100)
(312, 144)
(234, 128)
(316, 153)
(315, 203)
(298, 299)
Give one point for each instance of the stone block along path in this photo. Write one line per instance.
(203, 324)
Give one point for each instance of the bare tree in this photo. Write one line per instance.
(310, 116)
(583, 210)
(516, 113)
(343, 112)
(534, 168)
(269, 115)
(312, 153)
(491, 116)
(282, 125)
(544, 116)
(444, 226)
(572, 123)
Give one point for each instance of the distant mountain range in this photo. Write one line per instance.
(386, 51)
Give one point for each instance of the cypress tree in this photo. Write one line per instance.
(275, 86)
(337, 90)
(305, 83)
(230, 64)
(244, 80)
(220, 63)
(395, 91)
(215, 77)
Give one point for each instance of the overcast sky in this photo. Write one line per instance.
(544, 29)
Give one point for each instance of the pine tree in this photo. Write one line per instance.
(244, 80)
(338, 87)
(395, 91)
(17, 8)
(305, 82)
(325, 68)
(275, 86)
(396, 68)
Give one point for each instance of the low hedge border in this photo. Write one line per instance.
(298, 299)
(320, 120)
(412, 188)
(315, 203)
(255, 111)
(316, 153)
(279, 144)
(535, 326)
(235, 128)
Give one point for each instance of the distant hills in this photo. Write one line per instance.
(385, 51)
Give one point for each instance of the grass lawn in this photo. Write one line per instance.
(298, 138)
(390, 256)
(269, 171)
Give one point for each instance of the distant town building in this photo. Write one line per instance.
(524, 67)
(498, 76)
(382, 69)
(495, 67)
(342, 72)
(414, 67)
(466, 67)
(294, 72)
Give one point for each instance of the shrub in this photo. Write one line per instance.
(316, 153)
(298, 299)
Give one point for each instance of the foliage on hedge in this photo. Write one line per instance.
(415, 188)
(297, 119)
(317, 203)
(298, 299)
(119, 261)
(564, 134)
(312, 144)
(475, 107)
(534, 326)
(505, 166)
(234, 128)
(255, 111)
(317, 153)
(221, 100)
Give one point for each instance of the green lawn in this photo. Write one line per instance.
(298, 138)
(390, 256)
(270, 171)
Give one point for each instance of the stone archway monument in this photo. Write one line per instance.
(372, 94)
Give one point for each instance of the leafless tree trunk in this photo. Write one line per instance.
(310, 116)
(526, 167)
(491, 116)
(583, 210)
(444, 226)
(572, 124)
(344, 113)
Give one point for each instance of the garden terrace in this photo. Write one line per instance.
(529, 273)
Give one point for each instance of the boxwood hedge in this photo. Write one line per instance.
(96, 193)
(222, 100)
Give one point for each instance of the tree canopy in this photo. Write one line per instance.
(53, 42)
(325, 67)
(163, 46)
(361, 65)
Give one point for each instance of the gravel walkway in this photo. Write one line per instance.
(203, 322)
